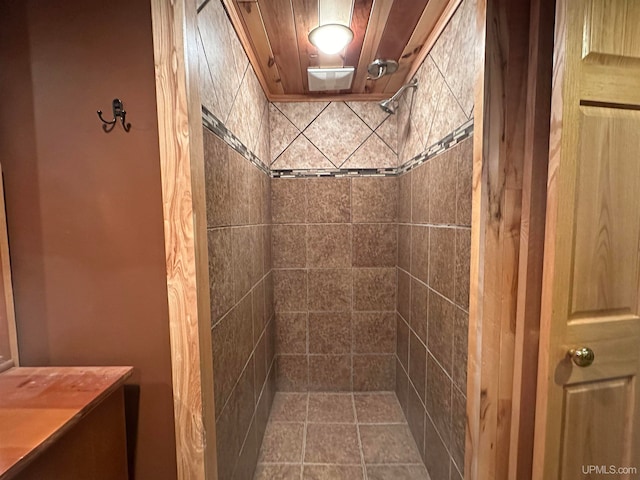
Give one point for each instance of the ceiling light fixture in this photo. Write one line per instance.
(331, 38)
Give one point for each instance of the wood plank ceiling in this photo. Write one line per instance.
(275, 35)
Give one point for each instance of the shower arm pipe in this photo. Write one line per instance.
(412, 84)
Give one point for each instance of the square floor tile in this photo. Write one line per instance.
(332, 443)
(383, 444)
(399, 472)
(378, 408)
(278, 472)
(332, 472)
(282, 443)
(331, 408)
(289, 407)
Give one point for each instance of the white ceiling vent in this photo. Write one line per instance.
(322, 79)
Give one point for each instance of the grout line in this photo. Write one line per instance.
(362, 461)
(304, 437)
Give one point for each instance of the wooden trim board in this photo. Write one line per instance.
(182, 176)
(499, 140)
(534, 202)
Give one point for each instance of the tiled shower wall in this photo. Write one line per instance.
(433, 250)
(334, 260)
(433, 302)
(238, 191)
(323, 135)
(444, 99)
(334, 280)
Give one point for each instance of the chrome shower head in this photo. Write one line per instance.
(391, 104)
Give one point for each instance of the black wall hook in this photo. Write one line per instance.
(118, 111)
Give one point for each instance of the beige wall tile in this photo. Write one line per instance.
(216, 170)
(417, 365)
(402, 342)
(439, 399)
(282, 133)
(374, 289)
(290, 290)
(441, 326)
(442, 260)
(375, 245)
(373, 373)
(221, 283)
(402, 385)
(330, 332)
(462, 267)
(329, 200)
(404, 247)
(442, 186)
(330, 290)
(289, 246)
(420, 193)
(329, 246)
(375, 199)
(420, 252)
(302, 154)
(374, 332)
(330, 373)
(404, 197)
(337, 132)
(288, 200)
(464, 183)
(419, 301)
(301, 114)
(372, 153)
(291, 332)
(416, 418)
(292, 374)
(460, 349)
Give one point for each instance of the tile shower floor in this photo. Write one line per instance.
(335, 436)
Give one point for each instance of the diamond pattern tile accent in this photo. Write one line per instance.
(427, 95)
(370, 112)
(373, 153)
(283, 132)
(220, 46)
(337, 132)
(301, 114)
(388, 131)
(302, 154)
(448, 116)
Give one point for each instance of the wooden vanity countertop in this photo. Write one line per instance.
(38, 405)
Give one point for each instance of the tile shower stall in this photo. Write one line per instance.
(339, 242)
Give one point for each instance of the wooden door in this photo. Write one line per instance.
(587, 417)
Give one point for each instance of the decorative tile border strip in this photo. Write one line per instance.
(458, 135)
(335, 172)
(211, 122)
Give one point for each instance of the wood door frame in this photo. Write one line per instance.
(511, 133)
(184, 212)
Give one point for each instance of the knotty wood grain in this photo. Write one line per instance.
(182, 175)
(280, 26)
(259, 51)
(502, 31)
(432, 23)
(375, 28)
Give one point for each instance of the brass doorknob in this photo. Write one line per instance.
(582, 357)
